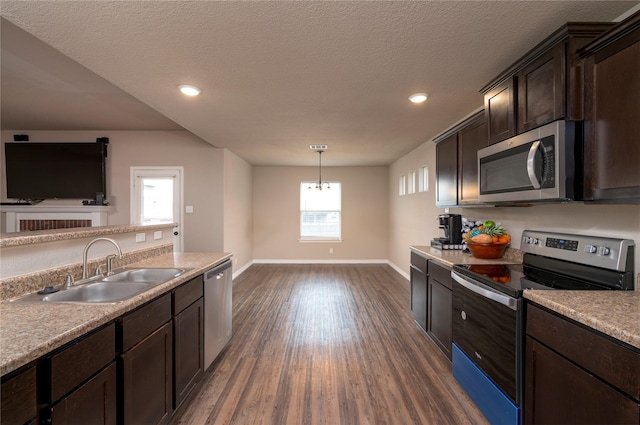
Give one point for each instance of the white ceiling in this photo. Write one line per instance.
(275, 76)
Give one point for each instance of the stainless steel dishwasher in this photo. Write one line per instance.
(217, 311)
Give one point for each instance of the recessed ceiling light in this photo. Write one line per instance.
(189, 90)
(418, 97)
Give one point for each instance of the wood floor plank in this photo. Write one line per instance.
(327, 344)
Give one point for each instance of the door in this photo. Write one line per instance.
(156, 198)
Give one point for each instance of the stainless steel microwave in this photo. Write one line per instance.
(541, 165)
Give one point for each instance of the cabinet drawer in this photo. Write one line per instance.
(611, 361)
(440, 273)
(419, 262)
(143, 321)
(93, 403)
(187, 294)
(19, 398)
(76, 363)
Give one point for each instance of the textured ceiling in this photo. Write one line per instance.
(275, 76)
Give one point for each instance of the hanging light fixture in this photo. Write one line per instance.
(319, 184)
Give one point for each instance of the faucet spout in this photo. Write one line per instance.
(85, 272)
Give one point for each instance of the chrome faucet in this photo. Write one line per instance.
(85, 274)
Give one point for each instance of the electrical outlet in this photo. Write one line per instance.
(157, 235)
(141, 237)
(330, 250)
(189, 209)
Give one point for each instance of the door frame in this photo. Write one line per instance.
(160, 171)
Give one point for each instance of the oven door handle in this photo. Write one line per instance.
(482, 290)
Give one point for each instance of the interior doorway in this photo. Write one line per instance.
(156, 198)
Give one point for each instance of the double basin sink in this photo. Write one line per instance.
(119, 286)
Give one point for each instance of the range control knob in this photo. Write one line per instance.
(591, 249)
(603, 250)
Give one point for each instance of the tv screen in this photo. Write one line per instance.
(38, 171)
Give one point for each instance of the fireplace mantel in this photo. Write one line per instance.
(92, 215)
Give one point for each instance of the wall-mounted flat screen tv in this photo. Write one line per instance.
(37, 171)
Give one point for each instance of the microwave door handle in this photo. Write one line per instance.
(473, 287)
(531, 162)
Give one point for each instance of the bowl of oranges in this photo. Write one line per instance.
(488, 241)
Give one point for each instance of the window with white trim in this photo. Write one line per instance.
(402, 185)
(423, 184)
(320, 212)
(411, 183)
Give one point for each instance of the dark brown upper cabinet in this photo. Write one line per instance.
(447, 171)
(457, 162)
(542, 86)
(612, 115)
(500, 111)
(471, 139)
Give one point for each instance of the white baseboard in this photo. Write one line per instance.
(399, 270)
(241, 270)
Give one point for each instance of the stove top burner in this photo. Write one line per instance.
(504, 278)
(513, 279)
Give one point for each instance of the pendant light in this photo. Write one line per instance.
(320, 184)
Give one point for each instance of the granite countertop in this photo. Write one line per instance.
(39, 236)
(451, 257)
(31, 330)
(614, 313)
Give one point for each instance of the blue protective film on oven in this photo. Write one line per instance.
(496, 406)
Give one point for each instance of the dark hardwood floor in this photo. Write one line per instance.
(327, 344)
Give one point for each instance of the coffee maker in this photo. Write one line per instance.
(451, 224)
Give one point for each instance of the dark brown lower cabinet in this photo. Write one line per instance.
(18, 405)
(189, 350)
(93, 403)
(82, 381)
(147, 379)
(439, 310)
(418, 275)
(574, 375)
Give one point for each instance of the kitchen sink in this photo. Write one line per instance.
(99, 292)
(144, 275)
(119, 286)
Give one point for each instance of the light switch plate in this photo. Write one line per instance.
(157, 235)
(140, 237)
(189, 209)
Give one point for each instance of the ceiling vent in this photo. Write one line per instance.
(318, 147)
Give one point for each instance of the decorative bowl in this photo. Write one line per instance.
(487, 250)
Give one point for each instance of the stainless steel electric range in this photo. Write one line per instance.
(488, 309)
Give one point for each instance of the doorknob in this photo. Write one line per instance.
(175, 233)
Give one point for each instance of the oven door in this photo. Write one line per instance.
(487, 327)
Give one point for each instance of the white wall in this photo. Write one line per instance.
(276, 209)
(412, 218)
(238, 210)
